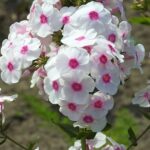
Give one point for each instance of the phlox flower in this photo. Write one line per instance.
(100, 104)
(66, 13)
(45, 20)
(27, 49)
(53, 89)
(71, 59)
(88, 120)
(72, 110)
(92, 13)
(114, 145)
(142, 98)
(21, 27)
(79, 37)
(108, 81)
(10, 68)
(77, 85)
(98, 141)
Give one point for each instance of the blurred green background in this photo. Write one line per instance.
(30, 116)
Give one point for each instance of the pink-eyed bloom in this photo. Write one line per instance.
(100, 104)
(77, 85)
(142, 98)
(10, 68)
(45, 20)
(72, 110)
(72, 59)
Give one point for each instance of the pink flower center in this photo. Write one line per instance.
(88, 49)
(73, 63)
(43, 19)
(10, 66)
(98, 104)
(77, 87)
(94, 15)
(103, 59)
(147, 95)
(112, 38)
(88, 119)
(106, 78)
(24, 50)
(81, 38)
(111, 48)
(72, 106)
(66, 20)
(55, 85)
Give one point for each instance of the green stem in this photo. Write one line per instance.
(139, 137)
(83, 143)
(13, 141)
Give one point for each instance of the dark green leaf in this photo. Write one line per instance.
(132, 136)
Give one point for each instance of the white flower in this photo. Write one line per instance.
(108, 81)
(87, 120)
(98, 141)
(142, 98)
(76, 86)
(71, 59)
(10, 68)
(66, 12)
(27, 49)
(93, 13)
(20, 27)
(45, 20)
(71, 109)
(79, 37)
(100, 104)
(53, 88)
(114, 146)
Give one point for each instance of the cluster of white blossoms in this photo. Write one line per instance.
(100, 141)
(81, 72)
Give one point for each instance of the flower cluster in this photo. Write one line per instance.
(78, 55)
(100, 141)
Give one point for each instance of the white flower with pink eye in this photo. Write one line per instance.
(8, 44)
(53, 87)
(108, 81)
(77, 85)
(27, 49)
(66, 12)
(93, 13)
(98, 141)
(71, 109)
(78, 37)
(124, 30)
(110, 48)
(6, 98)
(10, 68)
(100, 104)
(72, 59)
(88, 120)
(101, 59)
(142, 98)
(114, 146)
(45, 20)
(20, 27)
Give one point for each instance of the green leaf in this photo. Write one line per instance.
(31, 146)
(108, 127)
(146, 115)
(132, 136)
(140, 20)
